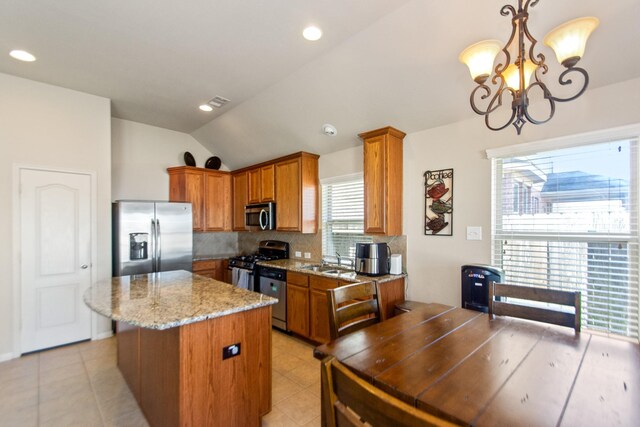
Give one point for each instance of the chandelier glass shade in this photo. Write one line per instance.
(519, 69)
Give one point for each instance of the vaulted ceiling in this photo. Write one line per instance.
(379, 62)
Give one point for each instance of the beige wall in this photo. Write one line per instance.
(340, 163)
(141, 155)
(51, 127)
(434, 261)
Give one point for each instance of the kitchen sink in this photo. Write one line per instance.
(326, 269)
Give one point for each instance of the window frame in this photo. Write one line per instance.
(343, 179)
(631, 132)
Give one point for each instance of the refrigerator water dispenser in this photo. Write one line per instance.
(138, 244)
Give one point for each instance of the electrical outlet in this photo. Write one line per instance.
(307, 255)
(230, 351)
(298, 254)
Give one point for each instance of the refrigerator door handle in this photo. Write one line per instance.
(153, 245)
(159, 243)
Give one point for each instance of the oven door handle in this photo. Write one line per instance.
(263, 214)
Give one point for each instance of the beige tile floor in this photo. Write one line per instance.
(80, 385)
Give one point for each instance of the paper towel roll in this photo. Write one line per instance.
(396, 264)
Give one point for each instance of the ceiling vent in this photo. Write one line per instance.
(218, 101)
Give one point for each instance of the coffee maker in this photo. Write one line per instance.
(372, 259)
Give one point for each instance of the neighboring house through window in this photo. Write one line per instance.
(585, 239)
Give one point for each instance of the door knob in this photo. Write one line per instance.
(84, 266)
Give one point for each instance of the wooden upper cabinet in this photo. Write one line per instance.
(296, 185)
(267, 183)
(374, 187)
(208, 193)
(217, 201)
(291, 182)
(288, 190)
(253, 181)
(261, 184)
(240, 184)
(383, 181)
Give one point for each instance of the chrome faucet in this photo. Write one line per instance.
(339, 258)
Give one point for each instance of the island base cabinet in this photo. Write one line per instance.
(184, 381)
(159, 376)
(129, 355)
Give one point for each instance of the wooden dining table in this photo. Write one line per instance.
(462, 366)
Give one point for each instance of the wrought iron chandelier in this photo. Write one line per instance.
(520, 76)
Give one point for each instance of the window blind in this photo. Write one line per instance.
(343, 217)
(568, 219)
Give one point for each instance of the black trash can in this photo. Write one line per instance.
(475, 285)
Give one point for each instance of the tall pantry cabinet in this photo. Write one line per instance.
(383, 181)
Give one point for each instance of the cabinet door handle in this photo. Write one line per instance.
(84, 266)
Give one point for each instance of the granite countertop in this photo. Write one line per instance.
(169, 299)
(347, 275)
(211, 257)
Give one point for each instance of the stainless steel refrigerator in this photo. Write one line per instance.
(151, 236)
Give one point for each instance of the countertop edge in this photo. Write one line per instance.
(181, 322)
(357, 279)
(169, 299)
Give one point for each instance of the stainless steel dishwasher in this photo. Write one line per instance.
(273, 282)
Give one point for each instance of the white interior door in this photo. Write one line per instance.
(55, 212)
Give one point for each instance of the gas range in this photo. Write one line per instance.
(267, 250)
(248, 262)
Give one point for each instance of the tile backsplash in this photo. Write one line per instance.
(215, 245)
(312, 243)
(397, 245)
(224, 245)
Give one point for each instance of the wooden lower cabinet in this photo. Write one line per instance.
(298, 303)
(319, 307)
(213, 269)
(308, 304)
(179, 378)
(319, 312)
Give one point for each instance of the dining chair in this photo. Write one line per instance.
(497, 306)
(348, 400)
(352, 307)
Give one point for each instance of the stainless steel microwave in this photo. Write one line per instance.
(261, 216)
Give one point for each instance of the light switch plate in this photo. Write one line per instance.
(298, 254)
(307, 255)
(474, 233)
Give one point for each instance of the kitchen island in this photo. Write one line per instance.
(194, 351)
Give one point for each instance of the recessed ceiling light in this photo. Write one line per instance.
(22, 55)
(206, 107)
(312, 33)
